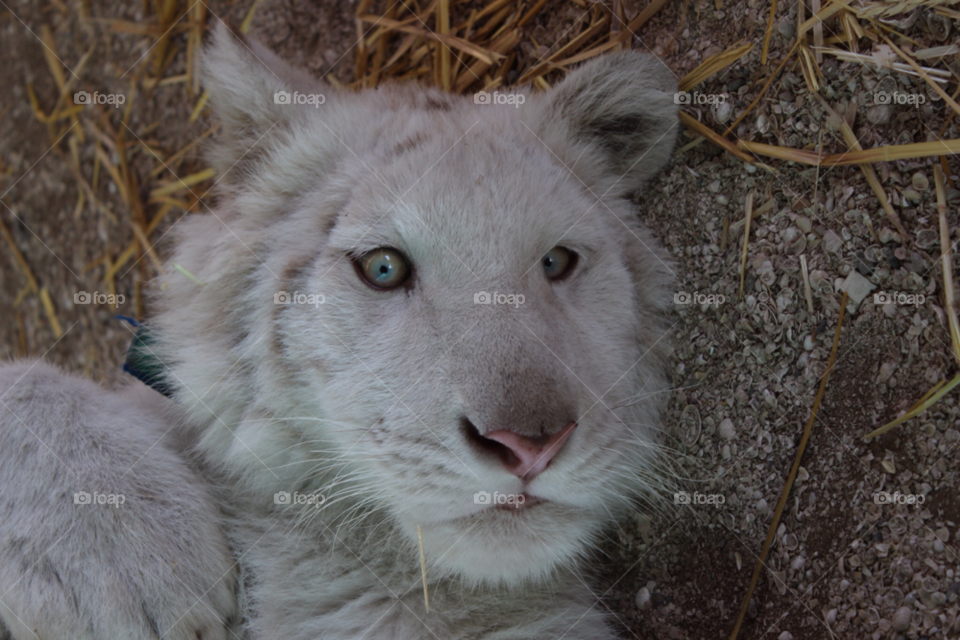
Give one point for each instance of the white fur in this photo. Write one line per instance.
(361, 398)
(157, 564)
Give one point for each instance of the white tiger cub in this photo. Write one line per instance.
(416, 312)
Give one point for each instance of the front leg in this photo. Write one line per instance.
(104, 531)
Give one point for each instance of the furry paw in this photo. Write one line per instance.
(104, 531)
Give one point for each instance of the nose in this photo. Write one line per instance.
(525, 456)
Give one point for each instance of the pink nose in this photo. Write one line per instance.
(527, 457)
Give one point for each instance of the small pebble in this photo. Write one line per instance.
(723, 111)
(726, 429)
(857, 287)
(787, 29)
(886, 370)
(879, 113)
(763, 124)
(926, 238)
(888, 235)
(832, 242)
(911, 195)
(901, 619)
(644, 602)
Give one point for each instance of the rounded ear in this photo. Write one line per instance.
(250, 94)
(622, 106)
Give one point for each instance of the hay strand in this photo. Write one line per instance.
(879, 154)
(946, 255)
(915, 411)
(712, 65)
(701, 129)
(642, 18)
(807, 293)
(766, 36)
(746, 242)
(923, 74)
(423, 571)
(772, 531)
(184, 183)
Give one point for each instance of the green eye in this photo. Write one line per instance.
(558, 263)
(384, 268)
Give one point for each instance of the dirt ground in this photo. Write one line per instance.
(746, 371)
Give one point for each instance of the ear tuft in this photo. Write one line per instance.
(623, 105)
(243, 78)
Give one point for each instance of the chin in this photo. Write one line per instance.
(502, 547)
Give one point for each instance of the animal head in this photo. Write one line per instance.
(439, 309)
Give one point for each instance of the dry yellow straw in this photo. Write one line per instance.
(183, 184)
(248, 19)
(423, 570)
(703, 130)
(443, 18)
(868, 172)
(763, 91)
(648, 12)
(879, 154)
(50, 311)
(820, 16)
(946, 254)
(746, 241)
(793, 472)
(769, 32)
(32, 283)
(806, 283)
(923, 74)
(915, 411)
(712, 65)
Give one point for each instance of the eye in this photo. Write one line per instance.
(558, 263)
(384, 268)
